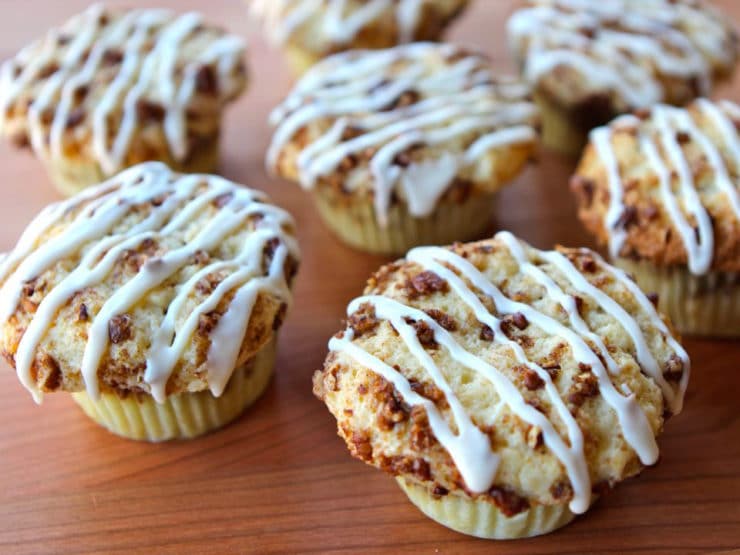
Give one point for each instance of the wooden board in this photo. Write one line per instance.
(279, 480)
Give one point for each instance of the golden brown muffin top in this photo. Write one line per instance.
(152, 282)
(329, 26)
(663, 185)
(504, 373)
(107, 82)
(406, 123)
(613, 56)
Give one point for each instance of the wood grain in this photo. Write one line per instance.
(279, 480)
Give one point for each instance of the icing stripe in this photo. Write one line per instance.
(658, 140)
(627, 47)
(457, 104)
(476, 466)
(150, 43)
(108, 205)
(339, 21)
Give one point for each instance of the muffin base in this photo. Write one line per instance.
(484, 520)
(707, 305)
(353, 220)
(299, 60)
(183, 416)
(70, 176)
(565, 129)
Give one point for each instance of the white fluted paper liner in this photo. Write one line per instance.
(355, 222)
(183, 416)
(484, 520)
(707, 305)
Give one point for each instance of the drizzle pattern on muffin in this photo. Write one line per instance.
(203, 251)
(367, 112)
(627, 49)
(570, 291)
(102, 75)
(688, 163)
(341, 20)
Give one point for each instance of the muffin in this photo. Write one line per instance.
(404, 146)
(108, 90)
(154, 298)
(591, 61)
(660, 188)
(309, 31)
(505, 387)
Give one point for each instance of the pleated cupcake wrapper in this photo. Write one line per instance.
(559, 132)
(707, 305)
(484, 520)
(186, 415)
(71, 175)
(355, 222)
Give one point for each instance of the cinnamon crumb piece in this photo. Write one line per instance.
(207, 322)
(673, 369)
(530, 378)
(206, 81)
(393, 410)
(443, 319)
(486, 333)
(147, 111)
(427, 390)
(424, 333)
(628, 217)
(507, 501)
(407, 98)
(561, 491)
(82, 314)
(361, 446)
(363, 320)
(119, 328)
(585, 385)
(112, 57)
(48, 376)
(402, 465)
(426, 283)
(439, 491)
(75, 118)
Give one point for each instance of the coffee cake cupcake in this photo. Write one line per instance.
(404, 146)
(660, 188)
(591, 61)
(309, 31)
(108, 90)
(154, 298)
(504, 387)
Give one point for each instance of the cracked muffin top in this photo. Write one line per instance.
(613, 56)
(412, 123)
(662, 185)
(121, 87)
(328, 26)
(152, 282)
(504, 373)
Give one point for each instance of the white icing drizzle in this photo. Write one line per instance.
(621, 46)
(471, 451)
(337, 22)
(658, 141)
(108, 205)
(151, 44)
(461, 107)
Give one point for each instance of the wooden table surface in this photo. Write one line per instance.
(279, 480)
